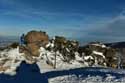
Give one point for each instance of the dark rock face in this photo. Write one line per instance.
(66, 47)
(122, 54)
(14, 45)
(93, 53)
(120, 47)
(104, 54)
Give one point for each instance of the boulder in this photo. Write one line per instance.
(34, 49)
(34, 40)
(38, 37)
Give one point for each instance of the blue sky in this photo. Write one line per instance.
(86, 20)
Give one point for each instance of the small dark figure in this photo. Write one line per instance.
(22, 40)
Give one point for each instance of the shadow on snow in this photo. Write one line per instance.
(31, 73)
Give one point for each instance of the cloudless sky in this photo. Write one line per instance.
(86, 20)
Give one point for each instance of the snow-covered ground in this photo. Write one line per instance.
(88, 79)
(11, 58)
(90, 75)
(72, 72)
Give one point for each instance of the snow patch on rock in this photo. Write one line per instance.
(98, 53)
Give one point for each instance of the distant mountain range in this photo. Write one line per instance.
(6, 40)
(116, 44)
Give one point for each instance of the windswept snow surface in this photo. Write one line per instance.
(90, 75)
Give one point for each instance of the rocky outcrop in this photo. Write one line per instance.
(95, 53)
(98, 53)
(66, 47)
(37, 37)
(34, 40)
(10, 46)
(14, 45)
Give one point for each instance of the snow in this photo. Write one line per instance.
(67, 50)
(44, 67)
(110, 78)
(99, 53)
(88, 57)
(77, 57)
(100, 45)
(60, 64)
(45, 61)
(88, 77)
(12, 59)
(50, 45)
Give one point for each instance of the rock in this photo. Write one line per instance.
(2, 69)
(34, 49)
(14, 45)
(122, 56)
(11, 46)
(27, 54)
(102, 55)
(21, 49)
(38, 37)
(66, 47)
(60, 40)
(95, 53)
(111, 57)
(34, 40)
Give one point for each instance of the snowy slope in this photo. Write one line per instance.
(73, 72)
(49, 57)
(11, 59)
